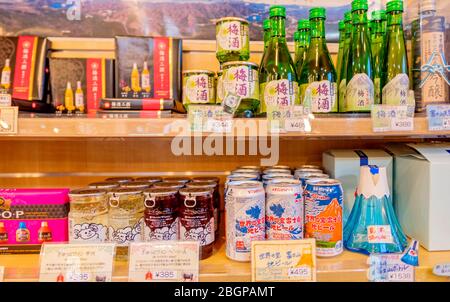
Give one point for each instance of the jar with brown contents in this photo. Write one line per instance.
(161, 214)
(120, 180)
(183, 180)
(104, 185)
(150, 179)
(197, 218)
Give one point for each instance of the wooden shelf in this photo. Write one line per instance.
(346, 267)
(335, 126)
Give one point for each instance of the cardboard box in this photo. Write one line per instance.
(422, 192)
(24, 214)
(163, 58)
(344, 165)
(95, 74)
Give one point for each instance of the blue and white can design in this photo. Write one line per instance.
(306, 177)
(244, 218)
(284, 210)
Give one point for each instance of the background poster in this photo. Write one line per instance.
(189, 19)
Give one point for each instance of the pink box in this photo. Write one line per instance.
(27, 214)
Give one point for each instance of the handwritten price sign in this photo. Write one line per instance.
(389, 268)
(387, 118)
(438, 117)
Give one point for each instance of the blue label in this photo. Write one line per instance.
(374, 170)
(363, 158)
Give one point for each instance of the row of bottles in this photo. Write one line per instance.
(372, 66)
(72, 103)
(140, 82)
(23, 233)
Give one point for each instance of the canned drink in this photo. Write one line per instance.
(150, 179)
(301, 172)
(277, 170)
(284, 209)
(269, 177)
(281, 167)
(315, 167)
(245, 171)
(254, 168)
(183, 180)
(244, 218)
(304, 178)
(323, 215)
(239, 177)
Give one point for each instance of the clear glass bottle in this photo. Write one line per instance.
(359, 96)
(277, 76)
(301, 49)
(317, 79)
(395, 81)
(378, 41)
(345, 54)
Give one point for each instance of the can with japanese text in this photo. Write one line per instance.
(307, 176)
(275, 176)
(232, 39)
(198, 87)
(304, 171)
(316, 167)
(276, 170)
(323, 215)
(284, 210)
(244, 218)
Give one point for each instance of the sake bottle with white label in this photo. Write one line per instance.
(345, 54)
(378, 43)
(396, 80)
(359, 96)
(317, 79)
(277, 76)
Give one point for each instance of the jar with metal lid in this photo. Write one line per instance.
(88, 216)
(206, 178)
(196, 216)
(169, 184)
(198, 87)
(232, 39)
(141, 185)
(104, 185)
(150, 179)
(161, 214)
(126, 207)
(241, 78)
(182, 180)
(216, 200)
(120, 180)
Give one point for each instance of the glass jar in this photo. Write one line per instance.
(88, 216)
(161, 214)
(141, 185)
(150, 179)
(196, 216)
(126, 211)
(171, 184)
(232, 39)
(211, 185)
(198, 87)
(182, 180)
(120, 180)
(104, 185)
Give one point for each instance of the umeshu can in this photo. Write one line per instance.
(323, 215)
(284, 210)
(304, 178)
(309, 167)
(244, 218)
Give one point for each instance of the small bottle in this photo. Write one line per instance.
(44, 233)
(79, 98)
(6, 75)
(303, 29)
(3, 233)
(146, 78)
(135, 79)
(68, 98)
(22, 233)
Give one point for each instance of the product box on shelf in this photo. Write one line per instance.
(148, 68)
(29, 217)
(422, 174)
(24, 71)
(344, 165)
(81, 82)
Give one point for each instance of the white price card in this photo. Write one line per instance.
(2, 273)
(199, 115)
(438, 117)
(164, 261)
(219, 125)
(8, 120)
(284, 260)
(76, 262)
(5, 100)
(389, 268)
(442, 269)
(387, 118)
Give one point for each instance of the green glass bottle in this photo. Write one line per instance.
(343, 69)
(267, 30)
(296, 46)
(378, 51)
(341, 49)
(303, 44)
(359, 96)
(395, 81)
(277, 77)
(317, 79)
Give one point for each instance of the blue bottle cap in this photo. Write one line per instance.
(22, 225)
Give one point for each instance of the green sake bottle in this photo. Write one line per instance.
(343, 69)
(277, 76)
(341, 49)
(267, 35)
(378, 51)
(359, 95)
(317, 79)
(395, 81)
(301, 48)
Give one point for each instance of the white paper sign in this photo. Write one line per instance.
(8, 120)
(76, 262)
(387, 118)
(2, 273)
(438, 117)
(379, 234)
(5, 100)
(294, 125)
(389, 268)
(442, 269)
(219, 125)
(164, 261)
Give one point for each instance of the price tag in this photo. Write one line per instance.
(5, 100)
(164, 261)
(76, 262)
(219, 126)
(2, 273)
(438, 117)
(294, 125)
(8, 120)
(199, 115)
(284, 260)
(442, 269)
(389, 268)
(379, 234)
(387, 118)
